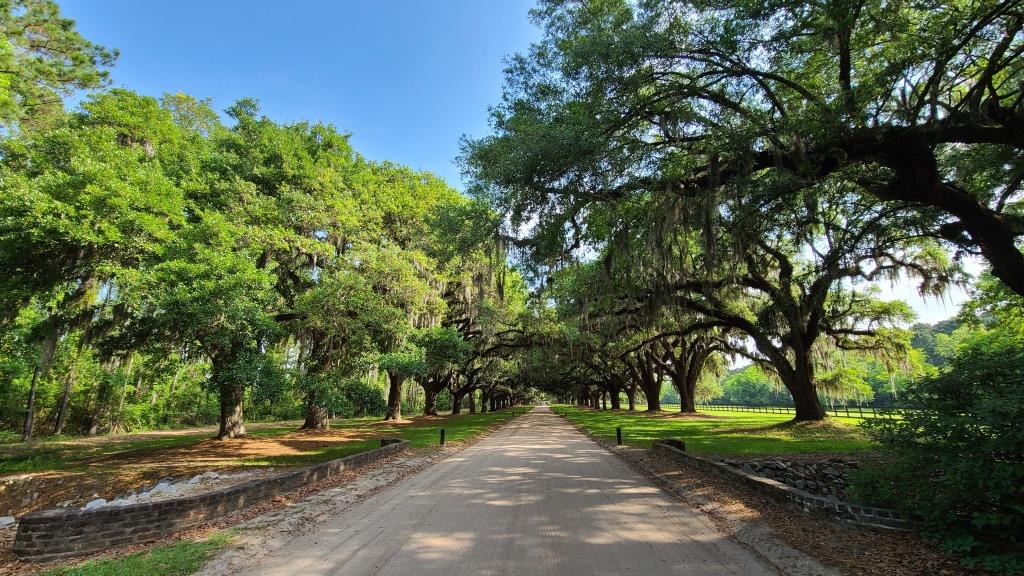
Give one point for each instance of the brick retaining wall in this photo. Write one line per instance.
(793, 497)
(62, 533)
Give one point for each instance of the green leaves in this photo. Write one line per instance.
(85, 200)
(43, 59)
(966, 442)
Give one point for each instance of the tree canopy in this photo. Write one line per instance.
(749, 172)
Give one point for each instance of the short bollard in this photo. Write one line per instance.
(618, 436)
(442, 436)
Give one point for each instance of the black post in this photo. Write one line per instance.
(618, 436)
(442, 436)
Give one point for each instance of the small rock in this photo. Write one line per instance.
(211, 475)
(65, 503)
(748, 469)
(800, 485)
(95, 504)
(196, 479)
(164, 488)
(6, 521)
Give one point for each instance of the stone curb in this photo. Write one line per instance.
(60, 533)
(794, 497)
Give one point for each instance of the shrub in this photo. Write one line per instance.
(959, 462)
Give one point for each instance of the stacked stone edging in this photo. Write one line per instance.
(62, 533)
(794, 497)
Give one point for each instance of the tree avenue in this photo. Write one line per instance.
(678, 203)
(156, 257)
(669, 188)
(747, 173)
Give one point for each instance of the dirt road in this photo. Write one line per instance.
(537, 497)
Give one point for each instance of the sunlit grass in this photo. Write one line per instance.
(177, 559)
(420, 431)
(725, 432)
(70, 456)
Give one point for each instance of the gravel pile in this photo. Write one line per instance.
(168, 488)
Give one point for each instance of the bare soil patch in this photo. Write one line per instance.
(111, 475)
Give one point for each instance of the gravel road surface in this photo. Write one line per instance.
(537, 497)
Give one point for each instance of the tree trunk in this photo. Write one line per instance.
(687, 404)
(631, 398)
(799, 380)
(686, 389)
(394, 397)
(614, 390)
(124, 391)
(65, 397)
(317, 417)
(46, 350)
(69, 382)
(457, 403)
(30, 411)
(472, 401)
(653, 400)
(231, 423)
(429, 401)
(97, 408)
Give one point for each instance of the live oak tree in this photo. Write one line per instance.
(444, 350)
(209, 291)
(342, 322)
(82, 205)
(153, 253)
(781, 178)
(922, 101)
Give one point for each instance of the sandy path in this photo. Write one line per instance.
(536, 497)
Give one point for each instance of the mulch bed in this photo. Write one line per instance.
(853, 550)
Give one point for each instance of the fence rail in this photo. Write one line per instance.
(847, 411)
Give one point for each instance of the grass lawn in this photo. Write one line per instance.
(724, 432)
(420, 431)
(345, 437)
(71, 453)
(177, 559)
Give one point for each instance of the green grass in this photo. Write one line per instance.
(177, 559)
(71, 456)
(725, 432)
(63, 455)
(419, 432)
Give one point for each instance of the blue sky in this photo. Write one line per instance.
(407, 78)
